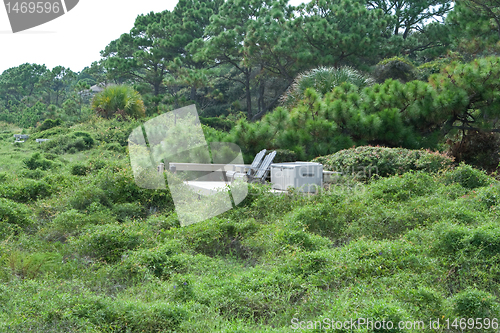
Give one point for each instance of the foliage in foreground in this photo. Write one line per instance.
(83, 249)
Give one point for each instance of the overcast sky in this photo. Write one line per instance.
(75, 39)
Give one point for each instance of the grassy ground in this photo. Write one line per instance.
(82, 251)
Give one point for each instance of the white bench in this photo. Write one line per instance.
(21, 136)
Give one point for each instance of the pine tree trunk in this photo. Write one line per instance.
(249, 96)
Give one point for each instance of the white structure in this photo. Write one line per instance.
(21, 136)
(304, 176)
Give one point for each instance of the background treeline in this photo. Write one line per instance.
(239, 61)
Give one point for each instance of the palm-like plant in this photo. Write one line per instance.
(323, 80)
(119, 99)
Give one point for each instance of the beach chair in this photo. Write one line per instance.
(263, 170)
(257, 161)
(252, 170)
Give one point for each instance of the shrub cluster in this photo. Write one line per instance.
(36, 161)
(107, 242)
(366, 161)
(48, 124)
(26, 190)
(70, 143)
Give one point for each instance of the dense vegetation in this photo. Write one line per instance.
(84, 249)
(402, 97)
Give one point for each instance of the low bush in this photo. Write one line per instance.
(118, 183)
(48, 124)
(49, 133)
(79, 169)
(107, 242)
(365, 161)
(15, 213)
(218, 237)
(114, 146)
(85, 196)
(33, 174)
(405, 187)
(218, 123)
(127, 210)
(30, 265)
(161, 222)
(468, 177)
(70, 143)
(473, 303)
(322, 219)
(26, 190)
(36, 161)
(73, 222)
(164, 261)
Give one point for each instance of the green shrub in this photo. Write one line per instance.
(405, 187)
(162, 222)
(30, 265)
(114, 146)
(385, 310)
(49, 133)
(118, 183)
(162, 261)
(219, 237)
(128, 210)
(299, 239)
(107, 242)
(84, 197)
(70, 143)
(473, 303)
(449, 238)
(14, 213)
(484, 241)
(79, 169)
(428, 302)
(36, 161)
(183, 290)
(365, 161)
(114, 131)
(395, 68)
(48, 124)
(73, 222)
(119, 100)
(323, 80)
(33, 174)
(26, 190)
(468, 177)
(424, 71)
(218, 123)
(322, 219)
(96, 164)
